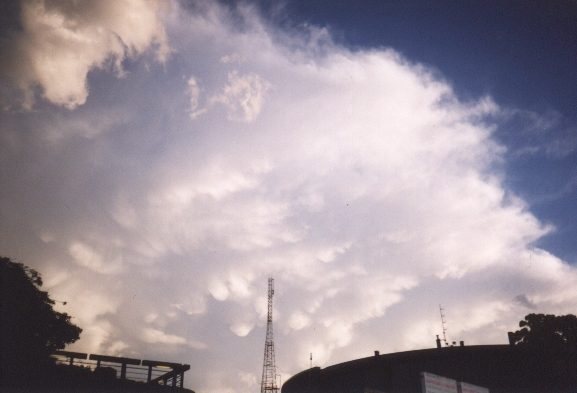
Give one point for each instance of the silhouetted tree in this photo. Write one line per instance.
(547, 331)
(31, 329)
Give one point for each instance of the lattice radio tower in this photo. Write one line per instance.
(268, 384)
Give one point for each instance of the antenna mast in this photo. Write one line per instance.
(443, 324)
(268, 383)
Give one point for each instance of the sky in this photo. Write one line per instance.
(159, 160)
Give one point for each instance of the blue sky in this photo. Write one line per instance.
(160, 160)
(521, 53)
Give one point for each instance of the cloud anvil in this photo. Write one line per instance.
(159, 160)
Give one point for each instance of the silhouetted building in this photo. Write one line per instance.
(501, 368)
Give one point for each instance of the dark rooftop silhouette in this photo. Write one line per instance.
(501, 368)
(32, 338)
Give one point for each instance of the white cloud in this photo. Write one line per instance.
(299, 320)
(219, 291)
(241, 329)
(243, 96)
(155, 336)
(194, 92)
(88, 257)
(62, 42)
(356, 178)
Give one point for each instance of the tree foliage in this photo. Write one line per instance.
(30, 328)
(547, 331)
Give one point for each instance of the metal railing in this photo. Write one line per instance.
(147, 371)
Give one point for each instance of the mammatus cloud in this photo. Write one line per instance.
(356, 178)
(62, 41)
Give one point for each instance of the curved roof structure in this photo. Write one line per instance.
(500, 368)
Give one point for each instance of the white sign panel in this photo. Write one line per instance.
(432, 383)
(468, 388)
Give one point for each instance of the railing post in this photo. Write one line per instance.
(123, 372)
(70, 356)
(149, 374)
(174, 378)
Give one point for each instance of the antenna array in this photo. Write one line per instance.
(444, 325)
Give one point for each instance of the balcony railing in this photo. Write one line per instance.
(146, 371)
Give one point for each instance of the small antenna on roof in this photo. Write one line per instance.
(444, 325)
